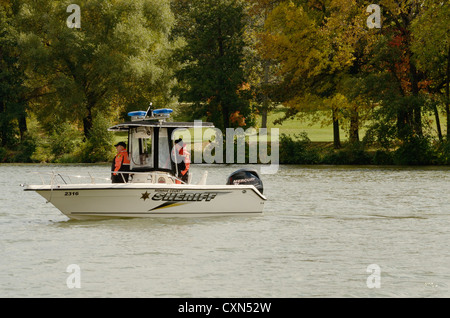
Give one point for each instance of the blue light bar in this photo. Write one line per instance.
(137, 113)
(162, 111)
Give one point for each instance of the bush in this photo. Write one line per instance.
(43, 152)
(383, 157)
(443, 152)
(3, 155)
(64, 140)
(25, 150)
(62, 143)
(297, 151)
(99, 147)
(351, 154)
(415, 151)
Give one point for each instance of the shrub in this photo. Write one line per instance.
(25, 150)
(3, 155)
(64, 140)
(443, 152)
(62, 143)
(99, 146)
(383, 157)
(415, 151)
(351, 154)
(298, 150)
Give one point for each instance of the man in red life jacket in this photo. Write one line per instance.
(183, 161)
(120, 163)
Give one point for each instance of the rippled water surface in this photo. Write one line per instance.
(322, 227)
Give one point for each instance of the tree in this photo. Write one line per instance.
(260, 71)
(120, 53)
(313, 41)
(12, 76)
(212, 77)
(402, 65)
(393, 81)
(431, 48)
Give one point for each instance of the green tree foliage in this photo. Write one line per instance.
(314, 43)
(431, 48)
(99, 146)
(118, 57)
(12, 92)
(212, 78)
(330, 60)
(260, 71)
(61, 87)
(393, 80)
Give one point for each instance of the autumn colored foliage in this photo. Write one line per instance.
(226, 61)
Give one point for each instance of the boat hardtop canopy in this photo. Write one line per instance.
(155, 118)
(152, 123)
(151, 140)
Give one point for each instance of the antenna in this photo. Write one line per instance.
(149, 111)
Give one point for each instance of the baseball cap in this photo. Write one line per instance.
(121, 144)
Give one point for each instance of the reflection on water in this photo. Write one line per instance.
(322, 227)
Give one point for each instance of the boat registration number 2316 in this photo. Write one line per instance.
(71, 193)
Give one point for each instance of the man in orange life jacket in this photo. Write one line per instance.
(183, 161)
(120, 163)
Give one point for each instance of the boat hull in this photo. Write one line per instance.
(98, 201)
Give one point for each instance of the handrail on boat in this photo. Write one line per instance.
(67, 178)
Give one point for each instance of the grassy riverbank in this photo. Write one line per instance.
(310, 141)
(319, 129)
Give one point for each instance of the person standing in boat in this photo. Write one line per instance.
(120, 163)
(183, 161)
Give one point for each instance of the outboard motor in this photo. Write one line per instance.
(246, 177)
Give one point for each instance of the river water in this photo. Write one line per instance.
(327, 231)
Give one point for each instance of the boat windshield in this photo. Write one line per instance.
(164, 152)
(141, 147)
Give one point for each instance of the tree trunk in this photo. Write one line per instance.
(225, 115)
(225, 109)
(447, 93)
(87, 123)
(402, 124)
(438, 122)
(336, 137)
(22, 125)
(354, 126)
(3, 125)
(265, 105)
(264, 117)
(417, 108)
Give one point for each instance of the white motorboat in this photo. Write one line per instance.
(153, 189)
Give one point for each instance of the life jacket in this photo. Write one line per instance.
(121, 162)
(183, 164)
